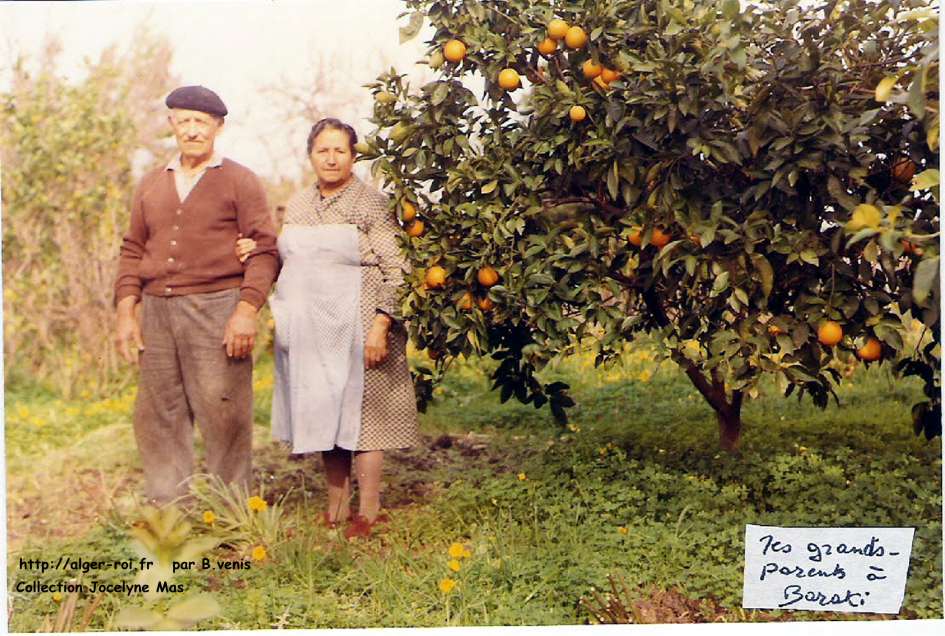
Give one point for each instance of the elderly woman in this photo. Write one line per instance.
(342, 384)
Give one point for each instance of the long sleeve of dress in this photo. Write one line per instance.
(382, 232)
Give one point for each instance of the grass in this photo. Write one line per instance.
(634, 487)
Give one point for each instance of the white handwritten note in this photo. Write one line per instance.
(826, 569)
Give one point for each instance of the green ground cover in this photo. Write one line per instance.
(635, 487)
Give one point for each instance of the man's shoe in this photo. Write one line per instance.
(326, 521)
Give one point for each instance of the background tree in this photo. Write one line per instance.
(729, 178)
(69, 153)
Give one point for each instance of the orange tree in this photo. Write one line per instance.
(744, 182)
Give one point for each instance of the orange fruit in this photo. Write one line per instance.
(466, 302)
(871, 351)
(547, 46)
(485, 303)
(435, 277)
(636, 237)
(577, 114)
(659, 238)
(414, 228)
(487, 276)
(599, 81)
(454, 51)
(591, 69)
(903, 170)
(408, 211)
(829, 333)
(508, 79)
(608, 74)
(575, 38)
(557, 29)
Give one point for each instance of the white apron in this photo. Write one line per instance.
(319, 351)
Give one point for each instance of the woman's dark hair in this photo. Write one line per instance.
(333, 124)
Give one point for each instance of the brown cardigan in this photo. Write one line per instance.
(175, 248)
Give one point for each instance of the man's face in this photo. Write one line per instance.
(195, 132)
(331, 157)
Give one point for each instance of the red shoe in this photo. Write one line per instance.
(360, 527)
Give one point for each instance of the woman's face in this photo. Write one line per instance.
(331, 157)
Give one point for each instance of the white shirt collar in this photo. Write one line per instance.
(216, 160)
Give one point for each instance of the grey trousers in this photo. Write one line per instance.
(184, 374)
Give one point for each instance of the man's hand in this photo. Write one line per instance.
(128, 329)
(375, 349)
(239, 336)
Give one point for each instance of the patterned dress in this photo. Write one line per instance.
(388, 411)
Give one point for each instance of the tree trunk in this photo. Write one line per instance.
(728, 412)
(730, 426)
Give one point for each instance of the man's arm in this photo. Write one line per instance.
(128, 280)
(128, 339)
(262, 265)
(255, 223)
(128, 329)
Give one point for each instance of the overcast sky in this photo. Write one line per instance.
(236, 48)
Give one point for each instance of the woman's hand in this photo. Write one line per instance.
(243, 247)
(375, 349)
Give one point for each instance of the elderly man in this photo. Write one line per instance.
(187, 306)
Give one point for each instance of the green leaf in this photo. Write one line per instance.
(194, 609)
(413, 27)
(926, 179)
(916, 96)
(137, 618)
(613, 180)
(731, 9)
(926, 276)
(884, 88)
(766, 272)
(838, 192)
(720, 284)
(489, 187)
(195, 547)
(439, 93)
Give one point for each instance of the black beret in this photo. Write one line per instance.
(196, 98)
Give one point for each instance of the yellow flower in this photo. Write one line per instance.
(623, 530)
(57, 597)
(257, 503)
(259, 553)
(209, 517)
(457, 550)
(447, 585)
(645, 375)
(522, 477)
(454, 565)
